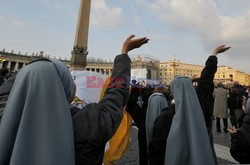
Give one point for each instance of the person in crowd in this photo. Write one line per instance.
(134, 89)
(139, 116)
(232, 106)
(177, 131)
(156, 103)
(4, 75)
(36, 126)
(239, 114)
(96, 123)
(4, 93)
(220, 107)
(240, 139)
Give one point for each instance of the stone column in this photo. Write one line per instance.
(109, 72)
(80, 52)
(8, 65)
(16, 66)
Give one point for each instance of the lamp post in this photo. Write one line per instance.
(174, 63)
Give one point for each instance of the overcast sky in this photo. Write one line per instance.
(189, 29)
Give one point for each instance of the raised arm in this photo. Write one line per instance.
(205, 83)
(116, 96)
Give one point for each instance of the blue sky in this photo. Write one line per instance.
(189, 29)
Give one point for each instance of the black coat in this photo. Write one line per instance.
(232, 103)
(240, 92)
(162, 125)
(157, 145)
(139, 116)
(95, 124)
(240, 143)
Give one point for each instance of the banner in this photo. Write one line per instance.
(89, 86)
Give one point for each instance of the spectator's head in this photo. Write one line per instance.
(220, 85)
(161, 89)
(231, 90)
(236, 84)
(133, 81)
(5, 73)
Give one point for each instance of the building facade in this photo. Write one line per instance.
(15, 61)
(227, 75)
(224, 74)
(169, 71)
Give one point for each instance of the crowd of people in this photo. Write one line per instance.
(39, 126)
(164, 142)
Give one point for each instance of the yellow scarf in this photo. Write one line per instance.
(119, 142)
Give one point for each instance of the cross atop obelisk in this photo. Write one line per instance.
(80, 50)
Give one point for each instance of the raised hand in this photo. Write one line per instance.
(131, 43)
(220, 49)
(232, 130)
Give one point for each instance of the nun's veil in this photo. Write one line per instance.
(36, 127)
(188, 141)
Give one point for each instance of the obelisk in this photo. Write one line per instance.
(80, 49)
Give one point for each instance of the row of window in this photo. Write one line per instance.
(181, 66)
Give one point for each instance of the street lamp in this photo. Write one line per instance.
(174, 63)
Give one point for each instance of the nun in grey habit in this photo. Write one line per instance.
(36, 127)
(156, 103)
(188, 140)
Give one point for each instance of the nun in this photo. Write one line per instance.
(156, 103)
(188, 141)
(36, 126)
